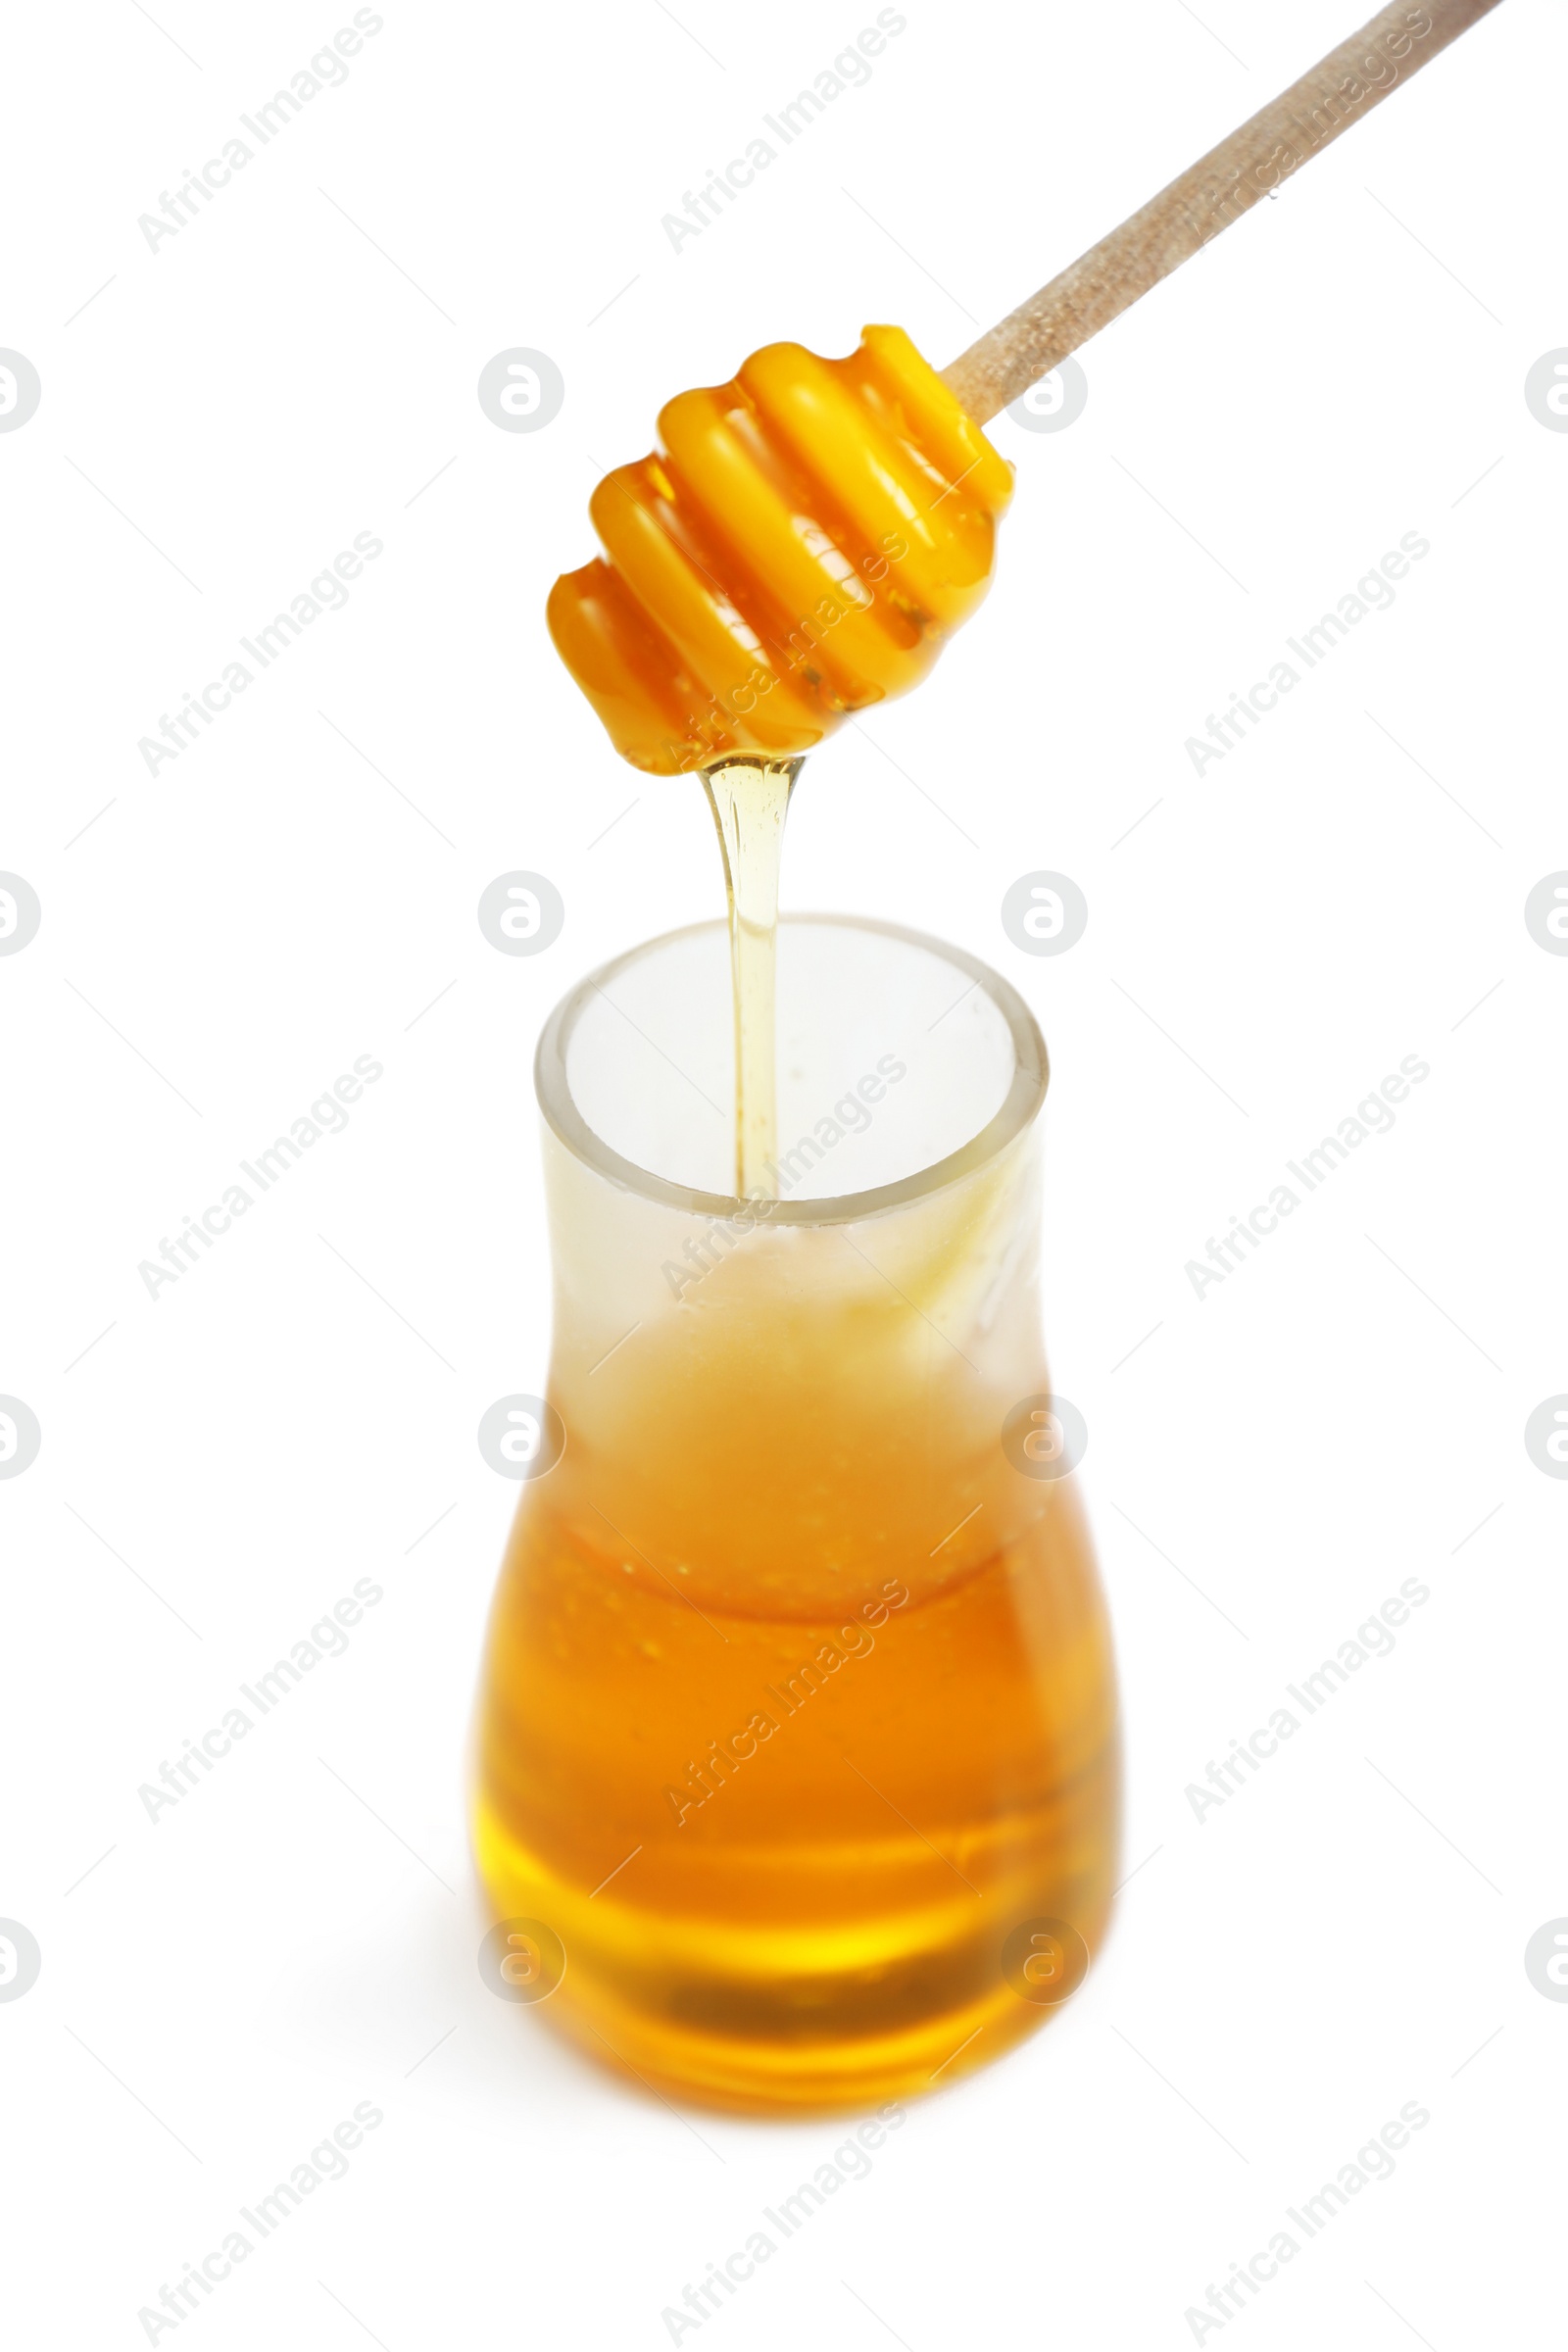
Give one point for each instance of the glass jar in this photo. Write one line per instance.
(798, 1760)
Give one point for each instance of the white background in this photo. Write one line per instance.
(299, 364)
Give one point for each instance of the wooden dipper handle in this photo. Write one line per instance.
(1339, 91)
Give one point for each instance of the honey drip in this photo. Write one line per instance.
(749, 797)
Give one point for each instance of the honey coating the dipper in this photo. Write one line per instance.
(798, 546)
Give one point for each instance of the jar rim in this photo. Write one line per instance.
(1026, 1092)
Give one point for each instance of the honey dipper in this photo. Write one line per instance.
(807, 536)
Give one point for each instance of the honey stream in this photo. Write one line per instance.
(749, 797)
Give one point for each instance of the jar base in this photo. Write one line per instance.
(821, 2031)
